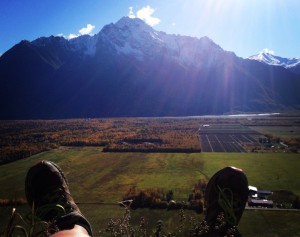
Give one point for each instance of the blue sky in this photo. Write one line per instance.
(245, 27)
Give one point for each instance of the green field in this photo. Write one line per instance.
(95, 177)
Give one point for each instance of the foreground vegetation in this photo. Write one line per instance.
(253, 224)
(104, 178)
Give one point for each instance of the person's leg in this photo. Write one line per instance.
(77, 231)
(226, 195)
(48, 194)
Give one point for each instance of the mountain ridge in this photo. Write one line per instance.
(129, 69)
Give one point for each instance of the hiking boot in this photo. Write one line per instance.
(48, 194)
(226, 195)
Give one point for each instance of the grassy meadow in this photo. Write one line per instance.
(97, 177)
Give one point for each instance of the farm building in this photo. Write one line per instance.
(258, 194)
(258, 198)
(260, 203)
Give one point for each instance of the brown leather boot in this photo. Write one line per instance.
(48, 194)
(226, 195)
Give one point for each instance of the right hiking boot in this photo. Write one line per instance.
(48, 194)
(226, 195)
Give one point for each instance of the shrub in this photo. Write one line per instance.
(149, 198)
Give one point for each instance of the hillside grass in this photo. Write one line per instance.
(96, 177)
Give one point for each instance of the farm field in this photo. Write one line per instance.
(105, 177)
(227, 138)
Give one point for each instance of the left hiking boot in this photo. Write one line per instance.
(226, 195)
(48, 194)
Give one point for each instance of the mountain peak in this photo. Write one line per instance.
(133, 23)
(274, 60)
(132, 36)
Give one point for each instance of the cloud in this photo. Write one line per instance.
(83, 31)
(269, 51)
(131, 13)
(72, 36)
(145, 14)
(87, 30)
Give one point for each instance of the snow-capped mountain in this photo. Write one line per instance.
(130, 69)
(134, 37)
(271, 59)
